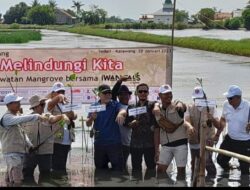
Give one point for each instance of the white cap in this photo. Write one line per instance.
(233, 90)
(165, 89)
(11, 97)
(198, 92)
(57, 87)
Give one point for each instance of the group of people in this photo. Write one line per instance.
(44, 137)
(119, 133)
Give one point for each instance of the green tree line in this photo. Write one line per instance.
(37, 13)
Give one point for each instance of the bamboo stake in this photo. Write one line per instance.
(196, 170)
(202, 166)
(230, 154)
(83, 137)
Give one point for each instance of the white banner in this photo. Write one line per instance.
(98, 108)
(70, 107)
(137, 111)
(205, 103)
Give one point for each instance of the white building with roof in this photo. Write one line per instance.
(237, 12)
(164, 15)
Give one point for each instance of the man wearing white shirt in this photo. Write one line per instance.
(236, 115)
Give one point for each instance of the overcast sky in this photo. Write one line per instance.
(133, 8)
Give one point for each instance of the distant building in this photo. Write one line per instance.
(63, 17)
(164, 15)
(222, 16)
(146, 18)
(237, 12)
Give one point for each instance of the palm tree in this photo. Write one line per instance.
(52, 3)
(248, 5)
(77, 5)
(35, 3)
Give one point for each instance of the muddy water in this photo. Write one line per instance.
(218, 72)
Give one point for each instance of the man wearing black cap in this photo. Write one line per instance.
(107, 144)
(123, 94)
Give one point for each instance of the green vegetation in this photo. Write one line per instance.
(222, 46)
(206, 16)
(246, 18)
(19, 36)
(41, 15)
(137, 25)
(233, 24)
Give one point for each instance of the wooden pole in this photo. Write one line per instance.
(83, 134)
(230, 154)
(196, 171)
(201, 174)
(172, 42)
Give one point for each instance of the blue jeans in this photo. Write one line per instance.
(108, 153)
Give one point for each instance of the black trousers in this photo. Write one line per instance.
(149, 157)
(44, 163)
(108, 153)
(240, 147)
(59, 158)
(125, 154)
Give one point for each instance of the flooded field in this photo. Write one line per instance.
(81, 172)
(218, 72)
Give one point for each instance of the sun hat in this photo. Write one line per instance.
(125, 89)
(35, 101)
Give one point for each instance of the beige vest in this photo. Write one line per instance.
(198, 117)
(37, 132)
(58, 137)
(12, 139)
(179, 133)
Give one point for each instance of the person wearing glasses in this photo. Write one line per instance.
(107, 138)
(14, 140)
(236, 115)
(142, 138)
(40, 136)
(65, 135)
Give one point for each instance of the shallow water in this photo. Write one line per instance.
(218, 72)
(214, 33)
(81, 172)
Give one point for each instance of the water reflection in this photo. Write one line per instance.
(81, 173)
(218, 72)
(215, 33)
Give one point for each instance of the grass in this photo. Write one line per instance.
(234, 47)
(19, 36)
